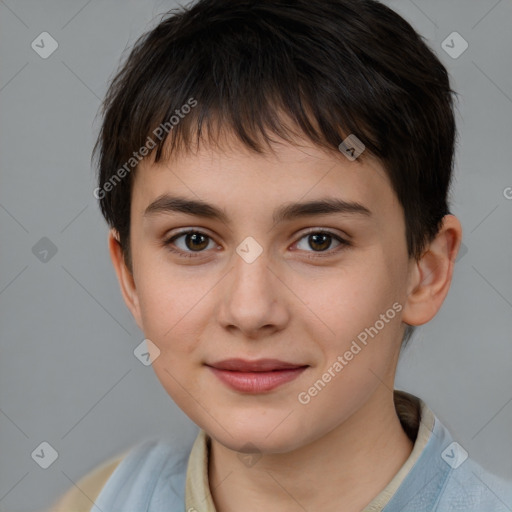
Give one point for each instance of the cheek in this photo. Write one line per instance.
(169, 308)
(182, 386)
(350, 299)
(361, 308)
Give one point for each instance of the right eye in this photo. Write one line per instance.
(190, 242)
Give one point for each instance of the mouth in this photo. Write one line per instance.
(257, 376)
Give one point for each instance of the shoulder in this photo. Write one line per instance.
(464, 485)
(129, 476)
(153, 473)
(444, 478)
(81, 497)
(471, 488)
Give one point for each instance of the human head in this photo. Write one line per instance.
(251, 74)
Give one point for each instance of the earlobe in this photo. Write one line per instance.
(431, 276)
(124, 276)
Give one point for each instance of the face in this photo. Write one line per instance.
(276, 321)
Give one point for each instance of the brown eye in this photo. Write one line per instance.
(321, 242)
(196, 241)
(189, 243)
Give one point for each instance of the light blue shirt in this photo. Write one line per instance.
(152, 478)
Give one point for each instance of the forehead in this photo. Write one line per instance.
(234, 177)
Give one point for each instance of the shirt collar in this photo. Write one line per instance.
(416, 418)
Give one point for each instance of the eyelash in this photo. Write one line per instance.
(318, 254)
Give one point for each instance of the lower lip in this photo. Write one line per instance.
(257, 382)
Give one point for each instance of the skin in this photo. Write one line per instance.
(347, 442)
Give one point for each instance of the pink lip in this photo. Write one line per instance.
(255, 376)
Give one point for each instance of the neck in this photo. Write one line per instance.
(346, 468)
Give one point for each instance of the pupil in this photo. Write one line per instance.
(195, 238)
(315, 238)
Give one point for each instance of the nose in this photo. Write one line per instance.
(253, 299)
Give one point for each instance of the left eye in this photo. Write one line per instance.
(320, 241)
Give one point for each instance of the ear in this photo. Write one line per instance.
(431, 276)
(125, 276)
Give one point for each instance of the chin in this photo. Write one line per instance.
(256, 434)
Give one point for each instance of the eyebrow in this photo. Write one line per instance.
(328, 206)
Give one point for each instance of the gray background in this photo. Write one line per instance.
(68, 374)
